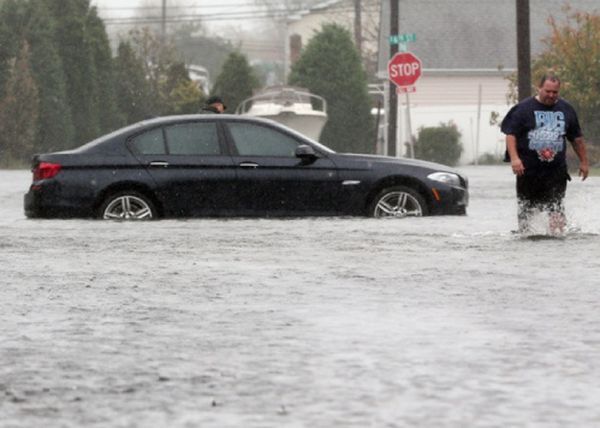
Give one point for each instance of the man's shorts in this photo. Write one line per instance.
(545, 191)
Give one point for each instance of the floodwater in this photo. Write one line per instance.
(326, 322)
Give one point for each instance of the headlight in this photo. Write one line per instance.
(445, 177)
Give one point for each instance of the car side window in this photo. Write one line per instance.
(150, 143)
(194, 138)
(256, 140)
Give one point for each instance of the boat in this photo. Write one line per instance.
(291, 106)
(200, 76)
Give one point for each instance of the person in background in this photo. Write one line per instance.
(214, 105)
(536, 132)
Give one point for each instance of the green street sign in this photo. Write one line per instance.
(402, 38)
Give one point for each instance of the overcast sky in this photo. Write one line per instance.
(217, 14)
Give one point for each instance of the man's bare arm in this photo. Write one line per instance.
(515, 160)
(579, 147)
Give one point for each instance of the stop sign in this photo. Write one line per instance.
(404, 69)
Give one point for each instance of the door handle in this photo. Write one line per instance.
(162, 164)
(248, 165)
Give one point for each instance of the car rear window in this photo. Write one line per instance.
(193, 139)
(149, 143)
(256, 140)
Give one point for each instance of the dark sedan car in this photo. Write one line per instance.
(222, 165)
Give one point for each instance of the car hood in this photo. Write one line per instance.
(373, 159)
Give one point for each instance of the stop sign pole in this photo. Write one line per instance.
(404, 69)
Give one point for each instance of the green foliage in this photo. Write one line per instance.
(236, 81)
(12, 23)
(185, 98)
(135, 93)
(78, 65)
(66, 87)
(573, 53)
(18, 111)
(30, 21)
(171, 89)
(439, 144)
(331, 67)
(183, 95)
(55, 127)
(156, 57)
(109, 118)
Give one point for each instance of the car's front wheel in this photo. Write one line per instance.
(127, 205)
(398, 202)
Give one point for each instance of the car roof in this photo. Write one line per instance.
(162, 120)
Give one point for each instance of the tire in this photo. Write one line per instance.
(127, 205)
(398, 202)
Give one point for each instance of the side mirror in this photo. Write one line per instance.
(306, 152)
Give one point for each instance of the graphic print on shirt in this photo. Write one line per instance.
(547, 139)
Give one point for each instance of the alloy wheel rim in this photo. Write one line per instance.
(398, 205)
(127, 207)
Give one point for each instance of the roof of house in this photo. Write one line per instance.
(474, 34)
(465, 34)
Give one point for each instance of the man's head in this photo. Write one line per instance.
(549, 89)
(216, 102)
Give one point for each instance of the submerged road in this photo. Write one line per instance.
(326, 322)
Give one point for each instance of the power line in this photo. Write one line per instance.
(218, 16)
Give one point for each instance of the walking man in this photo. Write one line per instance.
(536, 132)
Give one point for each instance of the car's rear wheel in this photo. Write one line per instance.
(127, 205)
(398, 202)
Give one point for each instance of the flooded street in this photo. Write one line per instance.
(324, 322)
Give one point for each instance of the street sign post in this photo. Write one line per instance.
(404, 69)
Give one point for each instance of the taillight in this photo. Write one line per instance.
(45, 170)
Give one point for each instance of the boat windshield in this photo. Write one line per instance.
(317, 145)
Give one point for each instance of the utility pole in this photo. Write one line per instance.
(163, 22)
(523, 49)
(358, 25)
(393, 98)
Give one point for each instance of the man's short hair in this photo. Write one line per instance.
(549, 76)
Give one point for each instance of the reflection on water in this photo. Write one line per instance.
(447, 321)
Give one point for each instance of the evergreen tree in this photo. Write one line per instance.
(12, 23)
(134, 90)
(171, 89)
(18, 111)
(78, 65)
(54, 130)
(236, 81)
(331, 67)
(156, 56)
(183, 96)
(109, 118)
(30, 21)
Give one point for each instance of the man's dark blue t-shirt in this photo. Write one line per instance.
(540, 131)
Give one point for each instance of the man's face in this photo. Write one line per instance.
(220, 107)
(548, 92)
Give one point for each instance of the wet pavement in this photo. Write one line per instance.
(324, 322)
